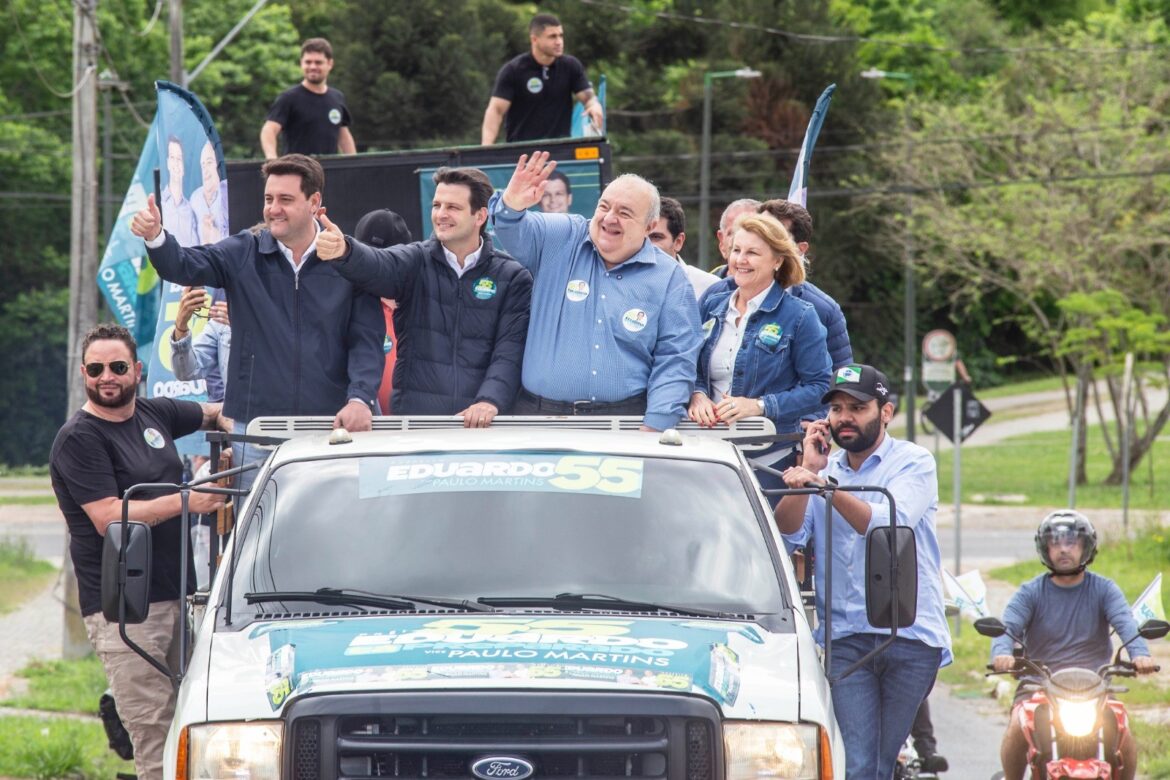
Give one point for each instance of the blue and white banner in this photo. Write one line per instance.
(798, 192)
(582, 127)
(193, 201)
(125, 277)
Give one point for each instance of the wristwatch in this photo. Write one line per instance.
(763, 408)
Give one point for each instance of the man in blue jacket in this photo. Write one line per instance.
(305, 340)
(462, 314)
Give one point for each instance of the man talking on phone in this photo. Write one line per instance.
(876, 704)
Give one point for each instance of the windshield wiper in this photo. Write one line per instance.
(578, 601)
(362, 598)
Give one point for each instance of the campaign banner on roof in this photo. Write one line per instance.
(798, 191)
(193, 199)
(125, 277)
(582, 126)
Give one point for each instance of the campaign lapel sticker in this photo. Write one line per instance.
(484, 289)
(387, 345)
(850, 374)
(154, 438)
(770, 334)
(634, 320)
(577, 290)
(708, 327)
(334, 116)
(535, 85)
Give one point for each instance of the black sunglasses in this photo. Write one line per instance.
(119, 367)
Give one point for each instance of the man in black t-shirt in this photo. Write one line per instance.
(312, 114)
(533, 92)
(114, 441)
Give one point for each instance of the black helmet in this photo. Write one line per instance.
(1064, 524)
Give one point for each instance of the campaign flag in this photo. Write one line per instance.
(968, 592)
(798, 191)
(1149, 605)
(582, 127)
(193, 202)
(128, 282)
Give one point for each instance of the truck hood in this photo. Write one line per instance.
(747, 671)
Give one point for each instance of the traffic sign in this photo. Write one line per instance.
(942, 412)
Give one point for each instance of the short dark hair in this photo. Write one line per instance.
(318, 45)
(473, 179)
(382, 228)
(174, 139)
(794, 213)
(559, 176)
(541, 21)
(311, 173)
(108, 331)
(676, 219)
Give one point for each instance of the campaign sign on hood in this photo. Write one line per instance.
(692, 656)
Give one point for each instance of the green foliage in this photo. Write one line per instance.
(62, 686)
(48, 748)
(22, 575)
(1036, 466)
(32, 399)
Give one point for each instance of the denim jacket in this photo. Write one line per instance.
(783, 358)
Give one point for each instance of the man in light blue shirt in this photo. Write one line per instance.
(875, 705)
(614, 327)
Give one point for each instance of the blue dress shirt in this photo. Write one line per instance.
(908, 472)
(598, 333)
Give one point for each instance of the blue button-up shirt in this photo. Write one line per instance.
(908, 472)
(598, 333)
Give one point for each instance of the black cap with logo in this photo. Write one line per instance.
(865, 383)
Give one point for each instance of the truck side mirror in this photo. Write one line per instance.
(136, 592)
(884, 546)
(990, 626)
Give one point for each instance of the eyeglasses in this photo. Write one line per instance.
(119, 367)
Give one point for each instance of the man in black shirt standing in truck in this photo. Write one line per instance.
(534, 91)
(312, 115)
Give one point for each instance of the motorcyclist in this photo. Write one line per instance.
(1063, 618)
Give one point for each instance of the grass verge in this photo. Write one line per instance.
(61, 686)
(22, 575)
(44, 748)
(27, 500)
(1036, 466)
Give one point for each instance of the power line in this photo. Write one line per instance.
(36, 68)
(835, 39)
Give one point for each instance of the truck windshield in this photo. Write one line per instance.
(503, 524)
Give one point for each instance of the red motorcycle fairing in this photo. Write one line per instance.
(1070, 768)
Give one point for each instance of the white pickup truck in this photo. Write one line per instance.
(529, 600)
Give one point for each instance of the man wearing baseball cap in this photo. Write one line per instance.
(875, 705)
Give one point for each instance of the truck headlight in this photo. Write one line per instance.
(233, 751)
(772, 750)
(1077, 717)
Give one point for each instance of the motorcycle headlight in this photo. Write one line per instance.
(234, 751)
(771, 750)
(1077, 718)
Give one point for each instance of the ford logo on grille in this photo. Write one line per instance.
(502, 768)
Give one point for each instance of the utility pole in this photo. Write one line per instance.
(83, 259)
(175, 18)
(107, 83)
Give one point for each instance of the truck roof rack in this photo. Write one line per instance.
(752, 428)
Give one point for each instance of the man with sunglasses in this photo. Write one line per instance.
(114, 441)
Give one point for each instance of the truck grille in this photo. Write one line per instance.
(584, 737)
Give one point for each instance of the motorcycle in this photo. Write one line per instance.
(1072, 724)
(911, 766)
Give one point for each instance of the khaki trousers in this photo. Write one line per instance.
(144, 696)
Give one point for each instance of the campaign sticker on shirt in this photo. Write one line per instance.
(535, 85)
(851, 374)
(577, 290)
(335, 116)
(154, 438)
(484, 289)
(708, 327)
(770, 334)
(387, 345)
(634, 320)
